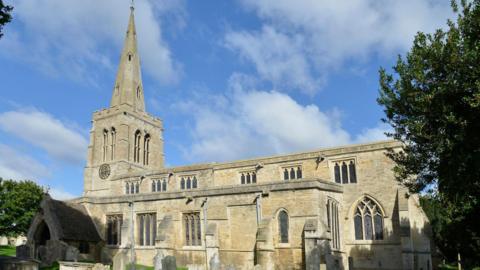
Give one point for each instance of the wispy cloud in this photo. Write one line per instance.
(85, 37)
(42, 130)
(302, 41)
(20, 166)
(247, 122)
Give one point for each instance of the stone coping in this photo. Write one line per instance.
(325, 152)
(299, 184)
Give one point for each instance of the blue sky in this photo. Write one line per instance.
(230, 79)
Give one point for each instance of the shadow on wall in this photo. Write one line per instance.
(404, 244)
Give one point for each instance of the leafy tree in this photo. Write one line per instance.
(19, 201)
(5, 16)
(433, 104)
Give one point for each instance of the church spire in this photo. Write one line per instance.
(128, 88)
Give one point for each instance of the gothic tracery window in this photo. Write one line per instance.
(368, 220)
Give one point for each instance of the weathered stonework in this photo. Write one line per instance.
(238, 219)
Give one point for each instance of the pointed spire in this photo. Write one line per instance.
(128, 88)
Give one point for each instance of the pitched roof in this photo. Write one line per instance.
(71, 220)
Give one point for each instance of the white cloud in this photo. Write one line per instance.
(19, 166)
(60, 194)
(81, 38)
(302, 40)
(247, 123)
(278, 57)
(43, 130)
(374, 134)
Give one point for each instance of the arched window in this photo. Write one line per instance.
(248, 178)
(299, 173)
(146, 149)
(194, 182)
(337, 173)
(189, 183)
(182, 183)
(113, 133)
(105, 144)
(132, 188)
(353, 174)
(368, 220)
(292, 173)
(242, 179)
(153, 186)
(136, 148)
(158, 185)
(283, 226)
(333, 222)
(254, 178)
(137, 187)
(344, 173)
(127, 188)
(285, 174)
(164, 185)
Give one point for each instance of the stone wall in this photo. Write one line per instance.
(236, 209)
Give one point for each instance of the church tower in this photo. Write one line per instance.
(124, 138)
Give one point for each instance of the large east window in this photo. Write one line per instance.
(192, 229)
(368, 220)
(147, 229)
(114, 230)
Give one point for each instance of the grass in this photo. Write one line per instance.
(144, 267)
(55, 266)
(140, 267)
(7, 251)
(453, 266)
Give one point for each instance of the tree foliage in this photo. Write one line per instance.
(5, 15)
(19, 202)
(432, 101)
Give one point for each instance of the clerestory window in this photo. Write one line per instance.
(248, 178)
(292, 173)
(344, 172)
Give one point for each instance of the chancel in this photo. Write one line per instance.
(335, 208)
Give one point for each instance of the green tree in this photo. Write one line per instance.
(432, 101)
(5, 16)
(19, 202)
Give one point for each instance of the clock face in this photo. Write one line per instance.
(104, 171)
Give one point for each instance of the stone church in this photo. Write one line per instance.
(333, 208)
